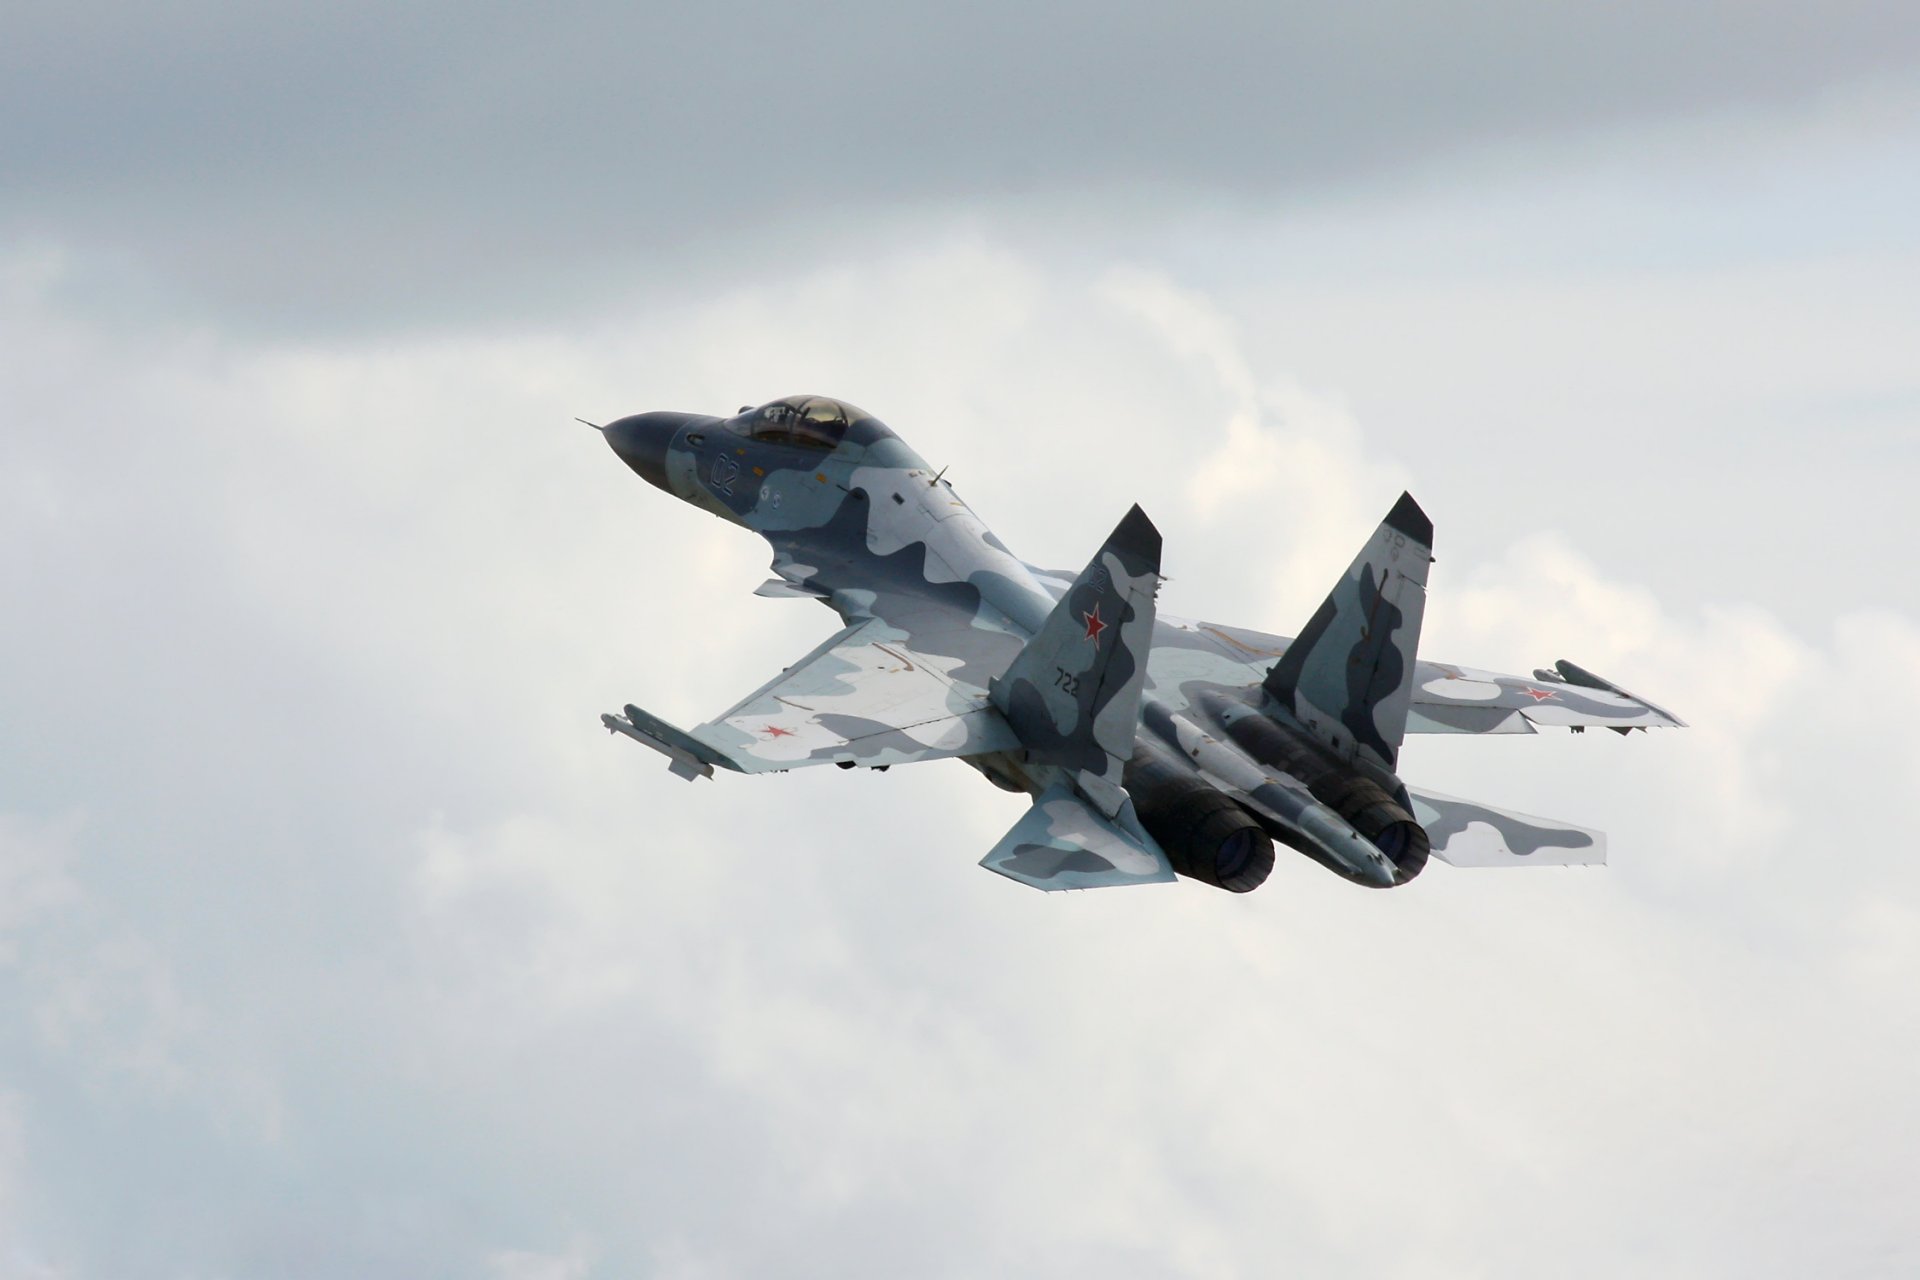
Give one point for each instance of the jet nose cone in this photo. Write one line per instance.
(642, 440)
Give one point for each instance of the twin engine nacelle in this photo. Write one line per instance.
(1372, 810)
(1206, 835)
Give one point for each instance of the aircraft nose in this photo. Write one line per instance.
(642, 440)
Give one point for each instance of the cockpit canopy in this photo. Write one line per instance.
(807, 422)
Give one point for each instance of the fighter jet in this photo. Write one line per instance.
(1151, 746)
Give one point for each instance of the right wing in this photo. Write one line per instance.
(1444, 699)
(1449, 699)
(865, 697)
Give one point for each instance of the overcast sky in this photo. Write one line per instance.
(336, 938)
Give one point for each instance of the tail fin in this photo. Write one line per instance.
(1349, 677)
(1073, 694)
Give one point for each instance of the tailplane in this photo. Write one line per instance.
(1063, 842)
(1349, 677)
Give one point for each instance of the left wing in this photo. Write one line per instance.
(865, 697)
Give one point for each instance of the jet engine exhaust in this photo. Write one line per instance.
(1363, 804)
(1372, 811)
(1207, 837)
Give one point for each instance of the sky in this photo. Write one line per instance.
(337, 939)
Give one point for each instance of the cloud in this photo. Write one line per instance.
(1286, 476)
(514, 1264)
(355, 167)
(307, 791)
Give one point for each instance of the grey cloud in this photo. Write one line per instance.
(350, 163)
(303, 666)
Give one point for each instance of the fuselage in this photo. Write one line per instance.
(858, 520)
(789, 477)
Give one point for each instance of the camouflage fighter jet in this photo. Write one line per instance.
(1152, 746)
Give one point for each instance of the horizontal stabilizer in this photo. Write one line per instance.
(1063, 842)
(691, 757)
(1468, 834)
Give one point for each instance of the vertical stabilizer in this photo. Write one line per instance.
(1349, 676)
(1073, 694)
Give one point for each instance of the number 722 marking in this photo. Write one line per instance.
(1068, 681)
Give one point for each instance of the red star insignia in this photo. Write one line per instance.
(1094, 625)
(1540, 695)
(775, 731)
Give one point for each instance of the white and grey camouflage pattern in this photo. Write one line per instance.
(1072, 688)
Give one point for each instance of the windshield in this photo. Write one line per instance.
(810, 422)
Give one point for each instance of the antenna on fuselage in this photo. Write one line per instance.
(936, 477)
(596, 426)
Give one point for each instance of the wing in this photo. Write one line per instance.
(1445, 698)
(865, 697)
(1450, 699)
